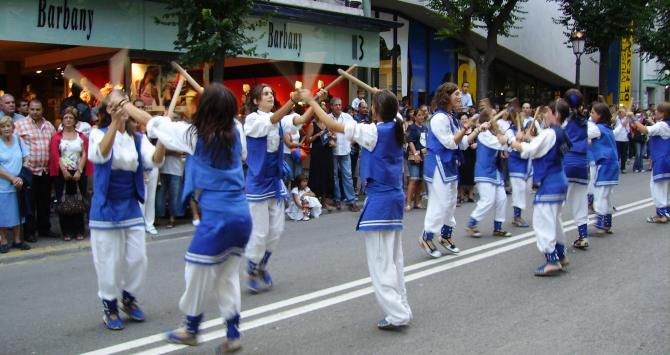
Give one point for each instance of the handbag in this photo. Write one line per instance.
(71, 205)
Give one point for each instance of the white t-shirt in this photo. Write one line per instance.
(295, 136)
(342, 146)
(125, 155)
(173, 165)
(257, 124)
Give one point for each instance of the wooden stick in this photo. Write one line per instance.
(358, 82)
(175, 96)
(117, 64)
(189, 78)
(73, 74)
(340, 78)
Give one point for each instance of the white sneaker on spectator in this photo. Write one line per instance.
(196, 222)
(152, 230)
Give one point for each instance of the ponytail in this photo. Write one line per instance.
(399, 131)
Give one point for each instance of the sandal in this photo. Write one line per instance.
(67, 238)
(657, 219)
(408, 208)
(79, 237)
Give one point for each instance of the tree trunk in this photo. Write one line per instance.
(602, 70)
(219, 64)
(483, 81)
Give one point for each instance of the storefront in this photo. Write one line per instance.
(39, 37)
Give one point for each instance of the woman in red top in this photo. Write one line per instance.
(67, 162)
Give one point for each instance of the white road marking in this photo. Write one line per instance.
(514, 243)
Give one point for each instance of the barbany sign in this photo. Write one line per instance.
(61, 16)
(304, 42)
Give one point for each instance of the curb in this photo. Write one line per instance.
(80, 246)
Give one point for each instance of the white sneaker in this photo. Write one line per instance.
(196, 222)
(152, 230)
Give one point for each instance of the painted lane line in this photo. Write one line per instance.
(141, 342)
(221, 333)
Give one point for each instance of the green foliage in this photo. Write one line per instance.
(461, 16)
(653, 34)
(602, 21)
(211, 29)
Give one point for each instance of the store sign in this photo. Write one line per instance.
(115, 24)
(57, 15)
(625, 72)
(303, 42)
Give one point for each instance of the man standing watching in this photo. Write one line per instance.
(8, 107)
(22, 109)
(36, 132)
(466, 98)
(342, 159)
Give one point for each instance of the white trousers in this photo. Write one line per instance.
(592, 178)
(490, 196)
(224, 278)
(149, 206)
(578, 202)
(548, 226)
(660, 193)
(519, 192)
(267, 218)
(441, 204)
(120, 259)
(385, 261)
(602, 200)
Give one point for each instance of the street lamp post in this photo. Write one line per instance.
(578, 42)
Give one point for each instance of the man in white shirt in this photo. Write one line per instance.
(621, 131)
(466, 98)
(342, 159)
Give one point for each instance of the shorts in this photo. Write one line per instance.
(415, 171)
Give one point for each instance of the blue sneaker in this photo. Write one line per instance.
(253, 285)
(182, 336)
(266, 278)
(386, 325)
(129, 306)
(111, 315)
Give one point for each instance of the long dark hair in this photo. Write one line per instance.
(560, 106)
(385, 105)
(105, 119)
(214, 122)
(604, 112)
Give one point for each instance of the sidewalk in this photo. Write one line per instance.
(55, 246)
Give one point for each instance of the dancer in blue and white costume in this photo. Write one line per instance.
(119, 155)
(519, 169)
(381, 218)
(604, 151)
(576, 162)
(489, 177)
(659, 140)
(546, 151)
(265, 189)
(446, 138)
(215, 144)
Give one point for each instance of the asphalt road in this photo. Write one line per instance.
(614, 298)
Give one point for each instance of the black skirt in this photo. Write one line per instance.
(321, 167)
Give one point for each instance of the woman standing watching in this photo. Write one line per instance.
(67, 164)
(13, 154)
(119, 155)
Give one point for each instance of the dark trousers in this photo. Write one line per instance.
(39, 222)
(622, 149)
(73, 224)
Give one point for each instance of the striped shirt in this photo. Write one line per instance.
(37, 136)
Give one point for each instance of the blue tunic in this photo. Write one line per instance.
(266, 170)
(548, 172)
(438, 157)
(517, 166)
(117, 194)
(660, 156)
(576, 160)
(381, 169)
(604, 153)
(218, 186)
(487, 165)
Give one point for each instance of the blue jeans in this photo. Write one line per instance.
(342, 164)
(639, 149)
(170, 185)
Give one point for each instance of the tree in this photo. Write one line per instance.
(653, 35)
(211, 30)
(603, 22)
(461, 17)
